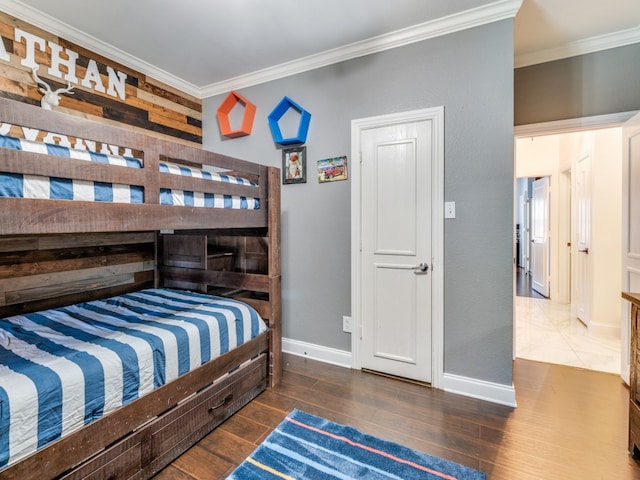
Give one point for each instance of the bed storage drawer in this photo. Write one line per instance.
(205, 411)
(157, 443)
(123, 460)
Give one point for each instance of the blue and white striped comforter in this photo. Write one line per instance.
(62, 368)
(41, 187)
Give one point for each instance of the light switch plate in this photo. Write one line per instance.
(449, 209)
(346, 324)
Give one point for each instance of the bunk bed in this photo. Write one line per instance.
(133, 245)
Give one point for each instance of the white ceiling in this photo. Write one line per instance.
(207, 47)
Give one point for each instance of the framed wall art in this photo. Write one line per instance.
(332, 169)
(294, 165)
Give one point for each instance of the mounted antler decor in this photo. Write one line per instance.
(51, 98)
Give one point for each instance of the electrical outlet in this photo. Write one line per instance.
(346, 324)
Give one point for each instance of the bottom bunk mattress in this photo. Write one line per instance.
(62, 368)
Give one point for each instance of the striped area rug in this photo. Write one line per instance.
(307, 447)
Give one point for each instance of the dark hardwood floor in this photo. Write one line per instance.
(569, 423)
(523, 285)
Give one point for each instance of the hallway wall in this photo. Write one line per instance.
(598, 83)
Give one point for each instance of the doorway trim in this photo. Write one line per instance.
(436, 116)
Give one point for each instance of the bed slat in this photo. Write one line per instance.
(23, 215)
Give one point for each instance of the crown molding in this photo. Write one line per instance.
(493, 12)
(483, 15)
(580, 47)
(569, 125)
(41, 20)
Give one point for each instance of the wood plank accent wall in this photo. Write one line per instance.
(149, 105)
(39, 272)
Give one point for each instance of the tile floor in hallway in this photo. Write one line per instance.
(546, 332)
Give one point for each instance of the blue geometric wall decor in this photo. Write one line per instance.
(274, 117)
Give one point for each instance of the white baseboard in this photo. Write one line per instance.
(470, 387)
(474, 388)
(606, 330)
(334, 356)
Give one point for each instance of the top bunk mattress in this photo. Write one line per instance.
(63, 368)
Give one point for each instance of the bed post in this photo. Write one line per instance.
(275, 295)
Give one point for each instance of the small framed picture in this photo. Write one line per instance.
(294, 165)
(332, 169)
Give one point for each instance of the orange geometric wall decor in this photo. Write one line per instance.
(225, 108)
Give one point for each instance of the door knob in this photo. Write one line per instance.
(584, 250)
(421, 268)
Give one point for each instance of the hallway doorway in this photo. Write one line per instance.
(548, 329)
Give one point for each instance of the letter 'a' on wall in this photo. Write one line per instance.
(303, 127)
(225, 109)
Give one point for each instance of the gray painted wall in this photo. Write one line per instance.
(583, 86)
(471, 74)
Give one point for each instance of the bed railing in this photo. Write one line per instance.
(49, 216)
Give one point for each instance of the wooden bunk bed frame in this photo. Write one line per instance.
(55, 253)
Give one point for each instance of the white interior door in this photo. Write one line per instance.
(525, 233)
(526, 236)
(630, 229)
(582, 278)
(396, 249)
(540, 236)
(522, 204)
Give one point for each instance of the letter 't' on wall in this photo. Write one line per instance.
(234, 99)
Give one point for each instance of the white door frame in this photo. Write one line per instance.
(564, 233)
(436, 115)
(630, 255)
(581, 273)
